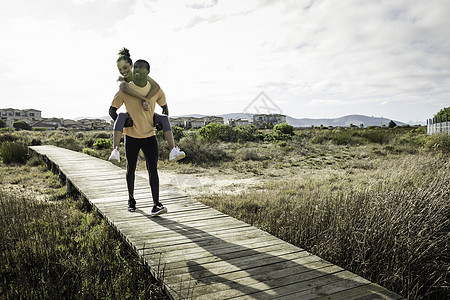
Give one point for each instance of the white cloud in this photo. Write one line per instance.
(214, 57)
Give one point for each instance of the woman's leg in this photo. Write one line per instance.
(119, 124)
(132, 147)
(150, 149)
(167, 129)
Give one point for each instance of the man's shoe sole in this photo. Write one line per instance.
(178, 158)
(160, 212)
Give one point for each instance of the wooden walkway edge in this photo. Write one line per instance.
(201, 253)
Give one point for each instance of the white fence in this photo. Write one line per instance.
(442, 127)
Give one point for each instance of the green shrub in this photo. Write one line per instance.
(439, 142)
(215, 132)
(21, 125)
(283, 128)
(6, 129)
(201, 152)
(91, 152)
(89, 142)
(418, 130)
(13, 152)
(79, 135)
(102, 143)
(376, 136)
(250, 154)
(68, 142)
(392, 124)
(7, 138)
(40, 129)
(178, 133)
(101, 135)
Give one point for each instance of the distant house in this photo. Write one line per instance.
(192, 122)
(93, 124)
(179, 121)
(42, 124)
(70, 124)
(237, 122)
(213, 119)
(268, 121)
(49, 123)
(11, 115)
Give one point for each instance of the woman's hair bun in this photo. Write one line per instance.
(124, 52)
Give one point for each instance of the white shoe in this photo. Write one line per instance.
(115, 155)
(176, 154)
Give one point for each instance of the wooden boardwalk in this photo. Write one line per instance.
(200, 252)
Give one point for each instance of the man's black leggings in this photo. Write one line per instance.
(149, 147)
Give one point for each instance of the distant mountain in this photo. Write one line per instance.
(342, 121)
(305, 122)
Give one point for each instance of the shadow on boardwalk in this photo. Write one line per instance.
(284, 271)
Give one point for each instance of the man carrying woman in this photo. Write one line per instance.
(124, 64)
(142, 134)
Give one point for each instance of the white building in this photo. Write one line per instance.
(11, 115)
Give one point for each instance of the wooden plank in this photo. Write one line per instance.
(206, 254)
(365, 292)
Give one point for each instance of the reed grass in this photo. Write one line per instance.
(389, 224)
(56, 250)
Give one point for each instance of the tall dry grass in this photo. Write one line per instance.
(389, 224)
(55, 250)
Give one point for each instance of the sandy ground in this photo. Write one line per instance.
(204, 182)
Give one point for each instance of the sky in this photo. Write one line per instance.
(310, 59)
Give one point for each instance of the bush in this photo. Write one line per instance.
(21, 125)
(178, 133)
(248, 133)
(79, 135)
(283, 128)
(69, 142)
(91, 152)
(376, 136)
(6, 129)
(200, 152)
(392, 124)
(2, 124)
(40, 129)
(7, 138)
(439, 142)
(101, 135)
(215, 132)
(102, 144)
(13, 152)
(89, 142)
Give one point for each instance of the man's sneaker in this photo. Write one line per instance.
(115, 155)
(131, 205)
(158, 209)
(176, 154)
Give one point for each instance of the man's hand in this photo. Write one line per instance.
(158, 126)
(128, 122)
(146, 105)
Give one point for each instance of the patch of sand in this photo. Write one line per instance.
(203, 183)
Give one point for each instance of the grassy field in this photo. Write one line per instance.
(53, 247)
(374, 201)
